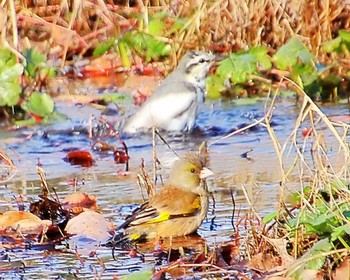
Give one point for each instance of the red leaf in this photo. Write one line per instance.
(306, 132)
(120, 157)
(37, 118)
(82, 158)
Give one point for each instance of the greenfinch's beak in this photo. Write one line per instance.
(205, 172)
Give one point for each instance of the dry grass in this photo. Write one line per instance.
(320, 161)
(222, 26)
(320, 164)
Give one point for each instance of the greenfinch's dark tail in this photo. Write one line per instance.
(124, 241)
(120, 240)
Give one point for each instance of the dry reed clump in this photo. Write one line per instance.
(321, 157)
(222, 26)
(240, 24)
(319, 163)
(315, 168)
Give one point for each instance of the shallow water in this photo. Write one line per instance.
(255, 175)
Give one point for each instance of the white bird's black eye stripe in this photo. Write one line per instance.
(196, 61)
(203, 60)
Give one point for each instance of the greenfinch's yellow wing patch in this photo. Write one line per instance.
(182, 203)
(163, 216)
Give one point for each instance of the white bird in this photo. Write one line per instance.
(173, 105)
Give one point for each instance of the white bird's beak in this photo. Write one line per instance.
(205, 172)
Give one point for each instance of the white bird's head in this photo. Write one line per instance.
(195, 65)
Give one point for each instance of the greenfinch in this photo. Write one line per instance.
(177, 209)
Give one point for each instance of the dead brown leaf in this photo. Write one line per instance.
(264, 262)
(79, 200)
(23, 222)
(90, 224)
(280, 245)
(343, 270)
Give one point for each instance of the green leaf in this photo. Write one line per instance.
(146, 45)
(36, 65)
(306, 72)
(322, 246)
(313, 259)
(27, 122)
(244, 66)
(226, 67)
(261, 57)
(138, 275)
(11, 73)
(51, 72)
(331, 45)
(156, 27)
(7, 58)
(214, 86)
(344, 35)
(339, 44)
(156, 49)
(239, 67)
(340, 231)
(269, 217)
(292, 53)
(9, 93)
(179, 23)
(295, 57)
(116, 97)
(347, 214)
(35, 62)
(40, 104)
(104, 47)
(297, 196)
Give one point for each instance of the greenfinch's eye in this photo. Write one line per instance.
(193, 170)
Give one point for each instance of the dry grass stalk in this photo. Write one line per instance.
(222, 26)
(7, 167)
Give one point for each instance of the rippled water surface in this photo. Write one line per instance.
(256, 174)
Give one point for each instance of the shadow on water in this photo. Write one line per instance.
(245, 161)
